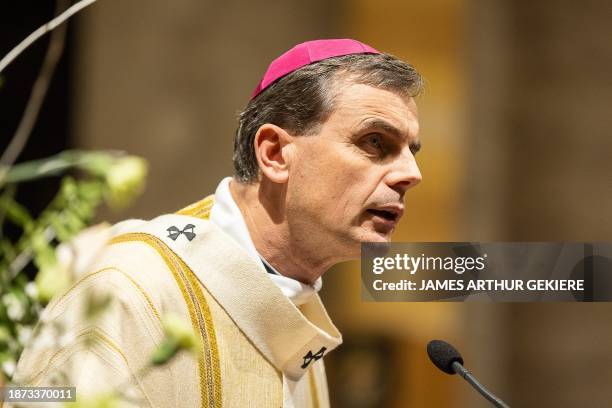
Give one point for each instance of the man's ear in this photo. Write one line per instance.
(272, 154)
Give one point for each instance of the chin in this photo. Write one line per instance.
(370, 235)
(361, 235)
(381, 238)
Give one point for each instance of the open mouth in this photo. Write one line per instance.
(387, 215)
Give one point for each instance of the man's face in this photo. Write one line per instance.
(347, 182)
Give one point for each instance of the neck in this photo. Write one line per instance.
(262, 206)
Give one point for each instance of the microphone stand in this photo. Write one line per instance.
(467, 376)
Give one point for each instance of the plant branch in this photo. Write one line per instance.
(41, 85)
(42, 30)
(37, 96)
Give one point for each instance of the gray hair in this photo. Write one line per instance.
(302, 101)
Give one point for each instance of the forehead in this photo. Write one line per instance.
(357, 105)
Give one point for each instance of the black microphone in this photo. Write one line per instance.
(447, 358)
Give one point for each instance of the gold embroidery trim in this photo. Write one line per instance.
(112, 268)
(199, 313)
(200, 209)
(96, 333)
(84, 334)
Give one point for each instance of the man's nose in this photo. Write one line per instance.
(405, 173)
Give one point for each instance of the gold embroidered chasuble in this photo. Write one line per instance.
(259, 349)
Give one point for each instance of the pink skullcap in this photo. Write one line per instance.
(307, 53)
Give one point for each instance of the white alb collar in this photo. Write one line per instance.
(226, 215)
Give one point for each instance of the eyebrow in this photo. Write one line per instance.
(390, 129)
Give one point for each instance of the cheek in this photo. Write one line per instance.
(334, 180)
(325, 168)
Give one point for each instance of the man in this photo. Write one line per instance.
(324, 153)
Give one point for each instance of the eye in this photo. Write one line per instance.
(375, 140)
(375, 145)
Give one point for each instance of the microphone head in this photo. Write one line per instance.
(443, 355)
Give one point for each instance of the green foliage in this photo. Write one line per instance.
(165, 351)
(179, 335)
(96, 177)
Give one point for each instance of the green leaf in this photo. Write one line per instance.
(72, 222)
(98, 163)
(92, 190)
(7, 250)
(63, 234)
(165, 351)
(16, 213)
(44, 253)
(5, 334)
(51, 280)
(68, 188)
